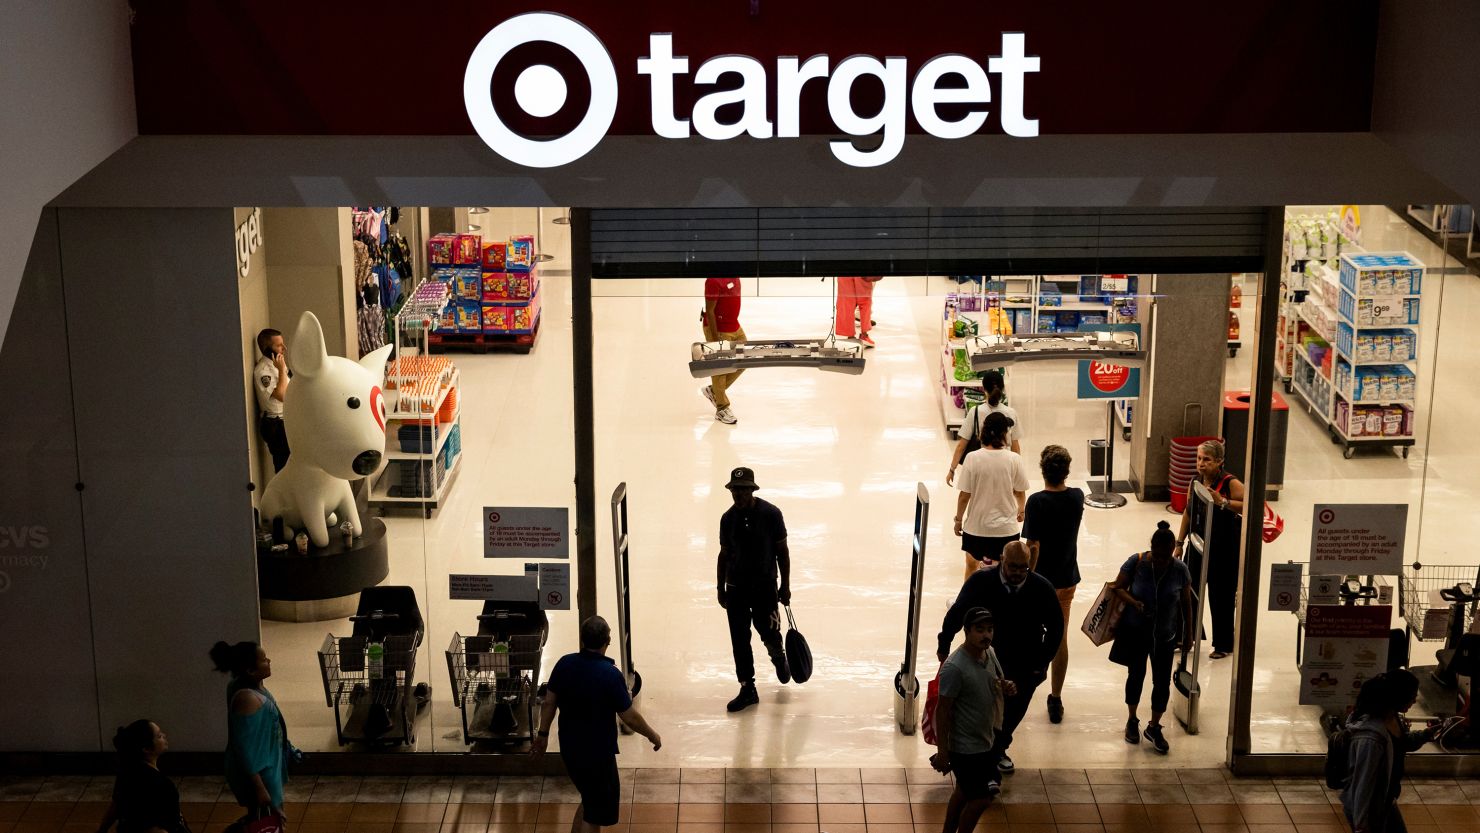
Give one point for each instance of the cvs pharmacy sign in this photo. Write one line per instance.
(540, 90)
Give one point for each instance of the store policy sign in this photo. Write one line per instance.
(540, 90)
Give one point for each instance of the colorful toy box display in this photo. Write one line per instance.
(494, 254)
(520, 255)
(469, 317)
(468, 250)
(455, 250)
(467, 284)
(440, 248)
(511, 319)
(509, 286)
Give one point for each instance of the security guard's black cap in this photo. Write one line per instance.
(742, 477)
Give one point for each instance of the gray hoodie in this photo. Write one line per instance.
(1368, 797)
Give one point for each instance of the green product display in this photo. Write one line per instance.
(962, 363)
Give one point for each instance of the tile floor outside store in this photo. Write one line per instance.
(880, 800)
(841, 456)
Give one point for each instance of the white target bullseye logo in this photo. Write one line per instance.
(540, 90)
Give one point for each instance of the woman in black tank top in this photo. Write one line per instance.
(1228, 492)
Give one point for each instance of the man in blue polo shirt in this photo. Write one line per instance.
(589, 691)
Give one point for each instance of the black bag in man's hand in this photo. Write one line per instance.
(798, 654)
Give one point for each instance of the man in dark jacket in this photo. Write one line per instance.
(752, 558)
(1030, 625)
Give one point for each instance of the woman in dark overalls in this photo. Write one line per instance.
(1228, 506)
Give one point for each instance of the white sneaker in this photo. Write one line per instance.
(708, 391)
(725, 415)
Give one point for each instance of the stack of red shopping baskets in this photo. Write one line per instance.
(1183, 468)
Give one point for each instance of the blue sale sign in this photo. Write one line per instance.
(1103, 380)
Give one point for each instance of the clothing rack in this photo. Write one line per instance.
(384, 275)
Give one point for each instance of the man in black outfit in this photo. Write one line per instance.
(752, 557)
(1030, 626)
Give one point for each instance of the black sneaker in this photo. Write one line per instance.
(1005, 764)
(1055, 709)
(745, 699)
(1133, 731)
(783, 669)
(1158, 741)
(994, 787)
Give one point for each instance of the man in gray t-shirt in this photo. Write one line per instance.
(970, 709)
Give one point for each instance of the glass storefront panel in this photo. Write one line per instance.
(841, 455)
(1372, 370)
(475, 416)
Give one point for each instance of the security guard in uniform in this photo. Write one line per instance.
(270, 381)
(752, 558)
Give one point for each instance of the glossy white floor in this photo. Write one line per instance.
(841, 457)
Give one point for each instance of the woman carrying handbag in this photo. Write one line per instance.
(1157, 591)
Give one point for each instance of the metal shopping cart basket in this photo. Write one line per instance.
(496, 674)
(1428, 616)
(375, 701)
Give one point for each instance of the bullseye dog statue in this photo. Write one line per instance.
(334, 414)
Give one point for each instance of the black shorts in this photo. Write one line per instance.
(973, 773)
(600, 787)
(985, 549)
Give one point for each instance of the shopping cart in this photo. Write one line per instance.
(1418, 603)
(1438, 602)
(369, 677)
(496, 674)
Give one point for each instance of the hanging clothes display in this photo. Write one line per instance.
(385, 275)
(370, 315)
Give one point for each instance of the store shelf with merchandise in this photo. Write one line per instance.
(423, 433)
(1022, 304)
(1311, 244)
(1362, 319)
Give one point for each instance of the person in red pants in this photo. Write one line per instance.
(856, 294)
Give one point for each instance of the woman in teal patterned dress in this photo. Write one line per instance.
(257, 747)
